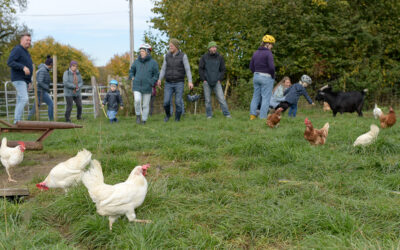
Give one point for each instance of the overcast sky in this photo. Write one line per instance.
(100, 28)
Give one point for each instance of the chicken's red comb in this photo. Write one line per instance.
(42, 186)
(306, 120)
(146, 166)
(22, 144)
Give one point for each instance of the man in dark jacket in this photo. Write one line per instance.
(20, 62)
(43, 80)
(212, 71)
(174, 68)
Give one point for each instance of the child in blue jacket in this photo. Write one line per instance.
(293, 93)
(113, 100)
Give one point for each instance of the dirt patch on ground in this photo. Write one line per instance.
(34, 164)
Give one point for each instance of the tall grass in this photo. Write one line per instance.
(219, 184)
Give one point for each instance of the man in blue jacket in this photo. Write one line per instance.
(20, 62)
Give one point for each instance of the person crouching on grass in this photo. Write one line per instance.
(113, 100)
(293, 93)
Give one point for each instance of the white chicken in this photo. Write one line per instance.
(377, 112)
(67, 173)
(11, 157)
(367, 138)
(119, 199)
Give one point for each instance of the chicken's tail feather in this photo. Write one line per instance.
(326, 127)
(94, 176)
(4, 143)
(84, 157)
(374, 130)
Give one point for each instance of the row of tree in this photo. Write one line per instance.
(351, 44)
(9, 37)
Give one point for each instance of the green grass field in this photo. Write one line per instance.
(218, 184)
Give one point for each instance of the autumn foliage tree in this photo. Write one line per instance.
(119, 65)
(9, 30)
(65, 54)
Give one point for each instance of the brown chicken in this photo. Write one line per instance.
(388, 120)
(326, 107)
(274, 119)
(315, 136)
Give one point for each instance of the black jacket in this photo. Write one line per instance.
(212, 68)
(113, 100)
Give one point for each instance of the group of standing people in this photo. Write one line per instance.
(21, 65)
(145, 77)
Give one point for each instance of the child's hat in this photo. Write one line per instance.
(306, 79)
(113, 81)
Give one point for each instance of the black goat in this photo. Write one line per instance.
(342, 101)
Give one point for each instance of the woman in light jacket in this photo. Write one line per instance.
(144, 72)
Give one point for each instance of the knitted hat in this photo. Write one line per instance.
(211, 44)
(49, 60)
(73, 63)
(175, 42)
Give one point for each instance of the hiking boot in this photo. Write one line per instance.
(166, 119)
(138, 119)
(143, 122)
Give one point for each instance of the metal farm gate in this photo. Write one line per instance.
(89, 99)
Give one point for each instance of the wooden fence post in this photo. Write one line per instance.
(35, 90)
(95, 97)
(55, 109)
(227, 87)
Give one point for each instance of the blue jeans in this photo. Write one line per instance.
(172, 107)
(43, 97)
(169, 90)
(293, 110)
(219, 94)
(22, 99)
(112, 115)
(262, 90)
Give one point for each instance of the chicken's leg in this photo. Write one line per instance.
(142, 221)
(9, 176)
(111, 220)
(132, 217)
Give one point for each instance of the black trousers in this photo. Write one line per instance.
(284, 105)
(78, 102)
